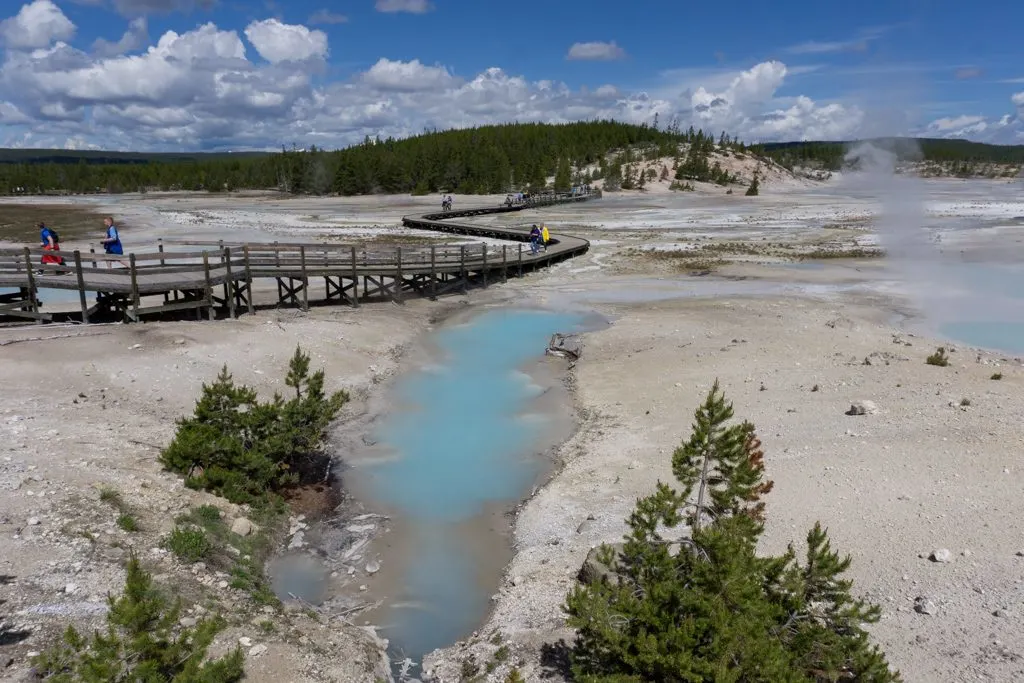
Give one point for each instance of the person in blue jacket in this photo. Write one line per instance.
(112, 241)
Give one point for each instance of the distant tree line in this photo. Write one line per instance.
(486, 159)
(830, 155)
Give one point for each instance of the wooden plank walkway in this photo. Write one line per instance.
(204, 276)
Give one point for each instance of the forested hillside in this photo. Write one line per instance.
(488, 159)
(475, 160)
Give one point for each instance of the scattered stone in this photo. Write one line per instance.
(222, 584)
(242, 527)
(517, 580)
(33, 521)
(188, 622)
(634, 465)
(71, 588)
(298, 540)
(862, 408)
(245, 641)
(1000, 613)
(257, 650)
(372, 567)
(941, 555)
(594, 570)
(923, 605)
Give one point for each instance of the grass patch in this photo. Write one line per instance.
(189, 544)
(940, 358)
(128, 522)
(501, 654)
(203, 534)
(112, 497)
(740, 248)
(996, 376)
(964, 402)
(825, 254)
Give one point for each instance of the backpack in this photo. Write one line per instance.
(53, 233)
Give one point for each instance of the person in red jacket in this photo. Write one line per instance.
(51, 242)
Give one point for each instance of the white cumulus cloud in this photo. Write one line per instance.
(596, 51)
(36, 25)
(397, 75)
(277, 42)
(135, 37)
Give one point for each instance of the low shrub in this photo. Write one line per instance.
(939, 358)
(243, 449)
(143, 642)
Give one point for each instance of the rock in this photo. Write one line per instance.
(517, 580)
(71, 588)
(298, 540)
(999, 613)
(222, 584)
(594, 570)
(245, 641)
(941, 555)
(585, 526)
(862, 408)
(634, 465)
(257, 650)
(188, 622)
(923, 605)
(242, 527)
(33, 521)
(361, 528)
(372, 567)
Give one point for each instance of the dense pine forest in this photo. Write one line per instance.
(487, 159)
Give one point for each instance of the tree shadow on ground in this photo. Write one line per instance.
(555, 661)
(9, 636)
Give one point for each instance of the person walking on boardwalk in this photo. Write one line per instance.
(112, 241)
(534, 240)
(50, 242)
(544, 236)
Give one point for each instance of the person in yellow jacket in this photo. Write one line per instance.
(544, 236)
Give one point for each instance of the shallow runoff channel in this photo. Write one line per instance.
(466, 437)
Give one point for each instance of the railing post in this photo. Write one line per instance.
(483, 252)
(209, 287)
(504, 263)
(462, 267)
(433, 272)
(232, 288)
(33, 299)
(135, 287)
(355, 279)
(520, 259)
(81, 287)
(92, 250)
(248, 277)
(305, 279)
(398, 275)
(160, 248)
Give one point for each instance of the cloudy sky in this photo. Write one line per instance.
(258, 74)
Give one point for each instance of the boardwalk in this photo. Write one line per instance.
(203, 277)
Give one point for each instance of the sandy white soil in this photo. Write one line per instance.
(922, 474)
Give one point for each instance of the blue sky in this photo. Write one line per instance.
(252, 74)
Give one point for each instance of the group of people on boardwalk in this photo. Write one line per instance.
(50, 240)
(539, 238)
(446, 203)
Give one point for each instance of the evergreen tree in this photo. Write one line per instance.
(704, 606)
(755, 186)
(143, 642)
(563, 176)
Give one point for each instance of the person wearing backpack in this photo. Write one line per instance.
(50, 242)
(112, 241)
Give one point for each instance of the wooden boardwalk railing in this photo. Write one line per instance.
(202, 276)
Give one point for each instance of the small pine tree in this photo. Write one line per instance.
(143, 642)
(755, 187)
(705, 606)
